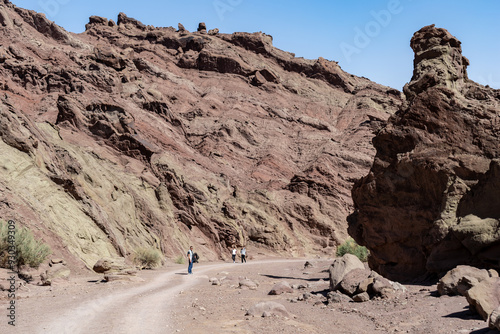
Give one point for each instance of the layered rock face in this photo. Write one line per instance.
(129, 136)
(431, 200)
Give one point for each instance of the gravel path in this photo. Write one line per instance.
(170, 301)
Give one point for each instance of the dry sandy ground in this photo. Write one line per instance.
(169, 301)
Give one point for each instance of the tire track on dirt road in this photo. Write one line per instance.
(141, 309)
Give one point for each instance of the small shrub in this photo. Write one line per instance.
(28, 251)
(351, 247)
(148, 258)
(180, 260)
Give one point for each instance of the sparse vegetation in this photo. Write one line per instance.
(148, 258)
(24, 248)
(351, 247)
(180, 260)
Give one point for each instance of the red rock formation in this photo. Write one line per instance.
(431, 200)
(139, 136)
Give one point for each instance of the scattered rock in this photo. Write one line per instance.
(337, 297)
(361, 297)
(280, 288)
(270, 308)
(56, 272)
(352, 280)
(248, 284)
(341, 266)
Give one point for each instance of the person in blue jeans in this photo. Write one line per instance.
(190, 259)
(243, 255)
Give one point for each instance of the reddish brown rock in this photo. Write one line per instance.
(132, 136)
(431, 199)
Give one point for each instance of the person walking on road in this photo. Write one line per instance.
(234, 254)
(190, 259)
(243, 255)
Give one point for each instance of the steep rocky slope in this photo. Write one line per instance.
(129, 136)
(431, 200)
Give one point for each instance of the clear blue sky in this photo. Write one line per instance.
(367, 38)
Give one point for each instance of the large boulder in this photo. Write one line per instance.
(484, 297)
(460, 279)
(107, 265)
(341, 266)
(335, 297)
(431, 199)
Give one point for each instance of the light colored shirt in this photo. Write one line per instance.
(234, 251)
(190, 255)
(243, 251)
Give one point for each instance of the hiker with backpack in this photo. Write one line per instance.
(190, 259)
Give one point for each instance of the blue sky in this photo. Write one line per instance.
(367, 38)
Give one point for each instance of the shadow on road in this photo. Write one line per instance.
(287, 277)
(482, 331)
(466, 314)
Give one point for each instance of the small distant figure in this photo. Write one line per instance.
(190, 259)
(244, 255)
(234, 255)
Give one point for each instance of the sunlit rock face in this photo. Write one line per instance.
(431, 200)
(129, 136)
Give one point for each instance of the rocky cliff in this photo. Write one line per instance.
(431, 200)
(129, 136)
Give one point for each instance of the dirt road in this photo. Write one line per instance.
(170, 301)
(111, 307)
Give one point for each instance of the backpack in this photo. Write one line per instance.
(195, 258)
